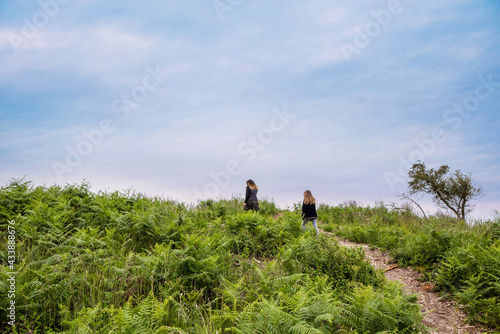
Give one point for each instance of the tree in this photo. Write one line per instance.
(451, 192)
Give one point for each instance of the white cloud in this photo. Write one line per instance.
(353, 120)
(110, 54)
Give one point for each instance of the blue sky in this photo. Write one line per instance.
(188, 100)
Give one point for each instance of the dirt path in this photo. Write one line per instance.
(443, 316)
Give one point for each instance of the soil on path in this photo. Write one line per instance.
(442, 316)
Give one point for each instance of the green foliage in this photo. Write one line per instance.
(313, 306)
(309, 307)
(473, 275)
(124, 263)
(383, 236)
(450, 192)
(462, 260)
(256, 235)
(268, 207)
(424, 248)
(372, 311)
(323, 255)
(150, 316)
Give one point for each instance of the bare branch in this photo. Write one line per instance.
(404, 196)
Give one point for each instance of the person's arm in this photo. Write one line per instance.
(303, 210)
(247, 194)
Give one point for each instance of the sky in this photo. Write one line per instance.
(187, 100)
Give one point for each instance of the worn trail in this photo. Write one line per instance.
(442, 316)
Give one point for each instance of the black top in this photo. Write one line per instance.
(251, 194)
(309, 211)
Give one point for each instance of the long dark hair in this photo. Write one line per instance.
(252, 184)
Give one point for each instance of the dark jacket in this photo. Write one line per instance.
(309, 211)
(250, 195)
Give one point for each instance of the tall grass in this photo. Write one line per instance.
(463, 260)
(124, 263)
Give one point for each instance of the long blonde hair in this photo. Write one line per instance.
(252, 185)
(308, 198)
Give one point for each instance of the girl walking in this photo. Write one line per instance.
(251, 201)
(309, 211)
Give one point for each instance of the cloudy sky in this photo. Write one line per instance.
(188, 100)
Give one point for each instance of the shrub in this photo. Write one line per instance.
(322, 255)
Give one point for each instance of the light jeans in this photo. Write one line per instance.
(314, 221)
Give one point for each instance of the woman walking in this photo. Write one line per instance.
(309, 211)
(251, 201)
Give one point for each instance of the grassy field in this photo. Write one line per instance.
(462, 260)
(124, 263)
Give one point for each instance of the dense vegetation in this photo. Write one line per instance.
(462, 260)
(124, 263)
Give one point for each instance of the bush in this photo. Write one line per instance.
(323, 256)
(253, 234)
(121, 262)
(473, 275)
(423, 249)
